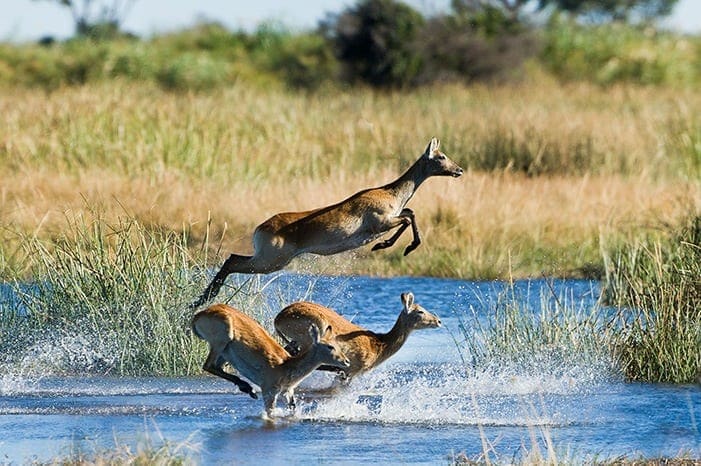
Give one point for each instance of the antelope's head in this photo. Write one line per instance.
(416, 316)
(436, 163)
(326, 349)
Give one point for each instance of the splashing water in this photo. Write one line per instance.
(444, 394)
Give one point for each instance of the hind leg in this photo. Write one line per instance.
(232, 264)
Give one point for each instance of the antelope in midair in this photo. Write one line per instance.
(238, 339)
(363, 348)
(349, 224)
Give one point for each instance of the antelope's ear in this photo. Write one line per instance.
(433, 146)
(407, 301)
(314, 333)
(328, 333)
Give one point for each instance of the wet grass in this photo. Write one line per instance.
(151, 449)
(111, 299)
(525, 335)
(655, 281)
(646, 327)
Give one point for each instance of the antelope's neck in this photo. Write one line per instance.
(298, 367)
(406, 185)
(394, 339)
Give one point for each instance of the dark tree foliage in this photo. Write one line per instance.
(619, 10)
(512, 9)
(97, 19)
(374, 42)
(385, 43)
(479, 49)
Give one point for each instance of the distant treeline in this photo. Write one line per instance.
(384, 44)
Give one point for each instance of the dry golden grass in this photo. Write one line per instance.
(240, 155)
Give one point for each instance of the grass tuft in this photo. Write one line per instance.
(110, 299)
(656, 283)
(146, 452)
(523, 336)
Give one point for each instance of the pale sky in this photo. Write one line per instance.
(27, 20)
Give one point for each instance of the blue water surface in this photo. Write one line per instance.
(422, 407)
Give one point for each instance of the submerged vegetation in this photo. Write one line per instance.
(547, 335)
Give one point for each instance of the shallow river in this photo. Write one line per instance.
(421, 407)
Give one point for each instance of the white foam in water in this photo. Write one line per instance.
(67, 353)
(13, 383)
(444, 394)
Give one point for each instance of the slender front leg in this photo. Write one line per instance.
(269, 400)
(406, 217)
(244, 386)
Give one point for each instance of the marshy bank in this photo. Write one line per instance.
(541, 363)
(121, 291)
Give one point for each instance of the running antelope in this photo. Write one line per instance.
(365, 349)
(349, 224)
(238, 339)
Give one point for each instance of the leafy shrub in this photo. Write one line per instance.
(194, 72)
(455, 49)
(374, 42)
(211, 37)
(616, 53)
(302, 61)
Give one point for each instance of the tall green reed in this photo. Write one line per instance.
(110, 299)
(552, 335)
(655, 282)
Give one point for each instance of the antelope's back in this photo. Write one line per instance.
(293, 322)
(219, 323)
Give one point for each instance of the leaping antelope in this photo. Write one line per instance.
(349, 224)
(363, 348)
(238, 339)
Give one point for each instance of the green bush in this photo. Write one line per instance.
(382, 43)
(374, 40)
(466, 50)
(302, 61)
(191, 71)
(616, 52)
